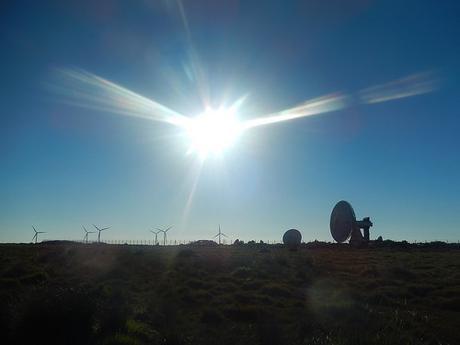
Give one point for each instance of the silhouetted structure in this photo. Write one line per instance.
(36, 234)
(85, 239)
(292, 238)
(164, 234)
(99, 232)
(156, 235)
(344, 226)
(220, 234)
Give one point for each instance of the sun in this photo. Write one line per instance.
(212, 132)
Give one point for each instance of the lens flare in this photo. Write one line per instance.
(213, 132)
(87, 90)
(312, 107)
(216, 130)
(412, 85)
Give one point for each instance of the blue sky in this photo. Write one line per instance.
(395, 161)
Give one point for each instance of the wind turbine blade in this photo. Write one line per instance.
(216, 235)
(34, 228)
(224, 234)
(158, 229)
(168, 228)
(105, 228)
(96, 227)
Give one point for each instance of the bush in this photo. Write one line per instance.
(275, 290)
(34, 278)
(185, 254)
(121, 339)
(211, 316)
(55, 317)
(402, 273)
(242, 272)
(243, 313)
(10, 283)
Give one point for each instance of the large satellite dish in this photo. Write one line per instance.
(292, 238)
(344, 225)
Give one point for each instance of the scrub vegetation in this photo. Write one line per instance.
(247, 294)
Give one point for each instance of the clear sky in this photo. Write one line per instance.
(396, 161)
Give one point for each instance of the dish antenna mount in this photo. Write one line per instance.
(344, 225)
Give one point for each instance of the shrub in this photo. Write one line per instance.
(34, 278)
(121, 339)
(211, 316)
(10, 283)
(402, 273)
(55, 317)
(243, 313)
(143, 332)
(185, 254)
(242, 272)
(275, 290)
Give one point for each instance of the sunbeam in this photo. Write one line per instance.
(412, 85)
(84, 89)
(215, 130)
(308, 108)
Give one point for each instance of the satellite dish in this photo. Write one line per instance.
(344, 225)
(292, 238)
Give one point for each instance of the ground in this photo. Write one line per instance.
(66, 293)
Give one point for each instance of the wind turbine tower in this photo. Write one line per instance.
(164, 234)
(85, 239)
(220, 234)
(36, 234)
(156, 235)
(99, 232)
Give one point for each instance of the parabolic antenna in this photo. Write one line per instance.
(292, 238)
(344, 225)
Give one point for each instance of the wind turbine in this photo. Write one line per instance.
(156, 235)
(220, 233)
(164, 234)
(36, 234)
(99, 232)
(86, 234)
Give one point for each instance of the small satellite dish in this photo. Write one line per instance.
(292, 238)
(344, 225)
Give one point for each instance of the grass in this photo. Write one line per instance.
(258, 294)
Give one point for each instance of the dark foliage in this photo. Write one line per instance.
(388, 293)
(55, 316)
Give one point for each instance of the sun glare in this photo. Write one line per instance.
(213, 131)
